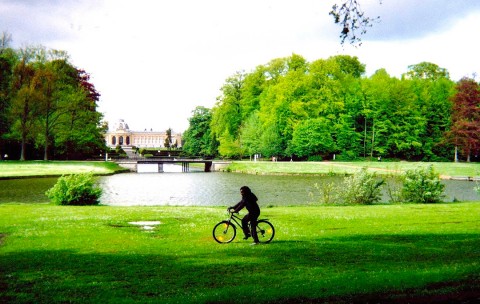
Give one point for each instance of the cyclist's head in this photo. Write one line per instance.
(245, 190)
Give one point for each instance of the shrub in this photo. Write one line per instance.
(422, 185)
(362, 188)
(326, 193)
(75, 189)
(394, 191)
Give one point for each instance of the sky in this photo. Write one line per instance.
(154, 61)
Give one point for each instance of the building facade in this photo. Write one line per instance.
(121, 135)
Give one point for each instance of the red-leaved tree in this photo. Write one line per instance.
(465, 130)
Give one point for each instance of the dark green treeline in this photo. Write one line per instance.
(48, 107)
(291, 108)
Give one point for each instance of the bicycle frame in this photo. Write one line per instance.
(236, 219)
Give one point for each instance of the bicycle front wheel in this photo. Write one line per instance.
(265, 231)
(224, 232)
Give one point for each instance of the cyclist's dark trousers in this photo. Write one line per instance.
(252, 218)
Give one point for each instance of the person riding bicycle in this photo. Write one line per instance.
(249, 201)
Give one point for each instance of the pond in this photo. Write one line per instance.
(200, 189)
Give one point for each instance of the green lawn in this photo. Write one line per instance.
(41, 168)
(53, 168)
(58, 254)
(331, 167)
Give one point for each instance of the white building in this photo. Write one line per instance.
(121, 135)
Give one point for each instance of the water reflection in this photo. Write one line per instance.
(222, 189)
(199, 188)
(204, 189)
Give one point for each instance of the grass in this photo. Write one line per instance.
(57, 254)
(12, 169)
(384, 168)
(418, 253)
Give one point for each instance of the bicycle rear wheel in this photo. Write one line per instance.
(265, 231)
(224, 232)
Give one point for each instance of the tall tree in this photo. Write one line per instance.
(168, 138)
(198, 137)
(227, 115)
(8, 59)
(465, 129)
(25, 100)
(250, 134)
(58, 77)
(426, 70)
(79, 131)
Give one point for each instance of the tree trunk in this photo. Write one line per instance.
(456, 155)
(373, 140)
(45, 152)
(365, 140)
(47, 133)
(22, 152)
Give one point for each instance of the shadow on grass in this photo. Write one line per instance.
(385, 268)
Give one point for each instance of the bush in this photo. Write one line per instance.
(422, 186)
(75, 189)
(326, 193)
(362, 188)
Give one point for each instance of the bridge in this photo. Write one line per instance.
(209, 165)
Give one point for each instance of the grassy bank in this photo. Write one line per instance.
(13, 169)
(384, 168)
(53, 254)
(55, 168)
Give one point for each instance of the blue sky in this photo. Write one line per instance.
(154, 61)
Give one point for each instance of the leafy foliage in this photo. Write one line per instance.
(48, 104)
(291, 108)
(465, 129)
(312, 137)
(198, 138)
(362, 188)
(422, 185)
(75, 189)
(327, 193)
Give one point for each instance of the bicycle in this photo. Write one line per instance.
(225, 231)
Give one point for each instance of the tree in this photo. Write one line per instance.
(426, 70)
(168, 139)
(433, 98)
(8, 60)
(58, 77)
(5, 40)
(465, 129)
(250, 134)
(46, 103)
(312, 137)
(265, 111)
(353, 21)
(198, 137)
(25, 96)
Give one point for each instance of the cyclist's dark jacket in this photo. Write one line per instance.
(248, 201)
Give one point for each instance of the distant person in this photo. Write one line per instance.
(249, 201)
